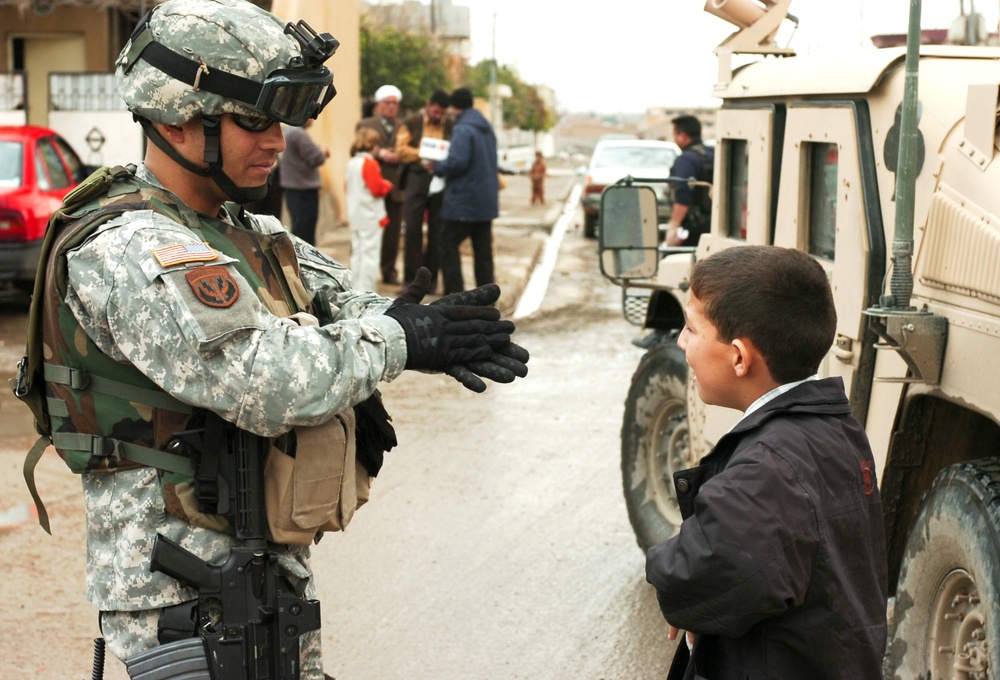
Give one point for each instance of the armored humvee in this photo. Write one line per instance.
(808, 156)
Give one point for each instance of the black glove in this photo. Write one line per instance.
(373, 433)
(504, 364)
(438, 337)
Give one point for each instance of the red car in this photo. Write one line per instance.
(37, 168)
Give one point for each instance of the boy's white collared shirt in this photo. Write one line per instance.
(773, 394)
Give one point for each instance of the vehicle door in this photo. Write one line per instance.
(821, 209)
(747, 159)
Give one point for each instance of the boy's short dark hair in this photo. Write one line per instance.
(689, 125)
(462, 98)
(778, 298)
(441, 98)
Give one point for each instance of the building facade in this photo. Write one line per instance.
(57, 63)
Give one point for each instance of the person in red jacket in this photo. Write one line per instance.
(366, 191)
(779, 568)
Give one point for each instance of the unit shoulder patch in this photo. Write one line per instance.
(213, 286)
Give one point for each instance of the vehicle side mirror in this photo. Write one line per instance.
(628, 235)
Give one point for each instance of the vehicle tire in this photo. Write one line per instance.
(655, 443)
(946, 623)
(589, 225)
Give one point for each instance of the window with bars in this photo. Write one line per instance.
(84, 92)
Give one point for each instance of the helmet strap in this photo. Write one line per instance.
(212, 156)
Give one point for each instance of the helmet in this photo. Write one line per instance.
(208, 57)
(204, 58)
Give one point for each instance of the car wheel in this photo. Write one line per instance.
(946, 624)
(655, 443)
(590, 225)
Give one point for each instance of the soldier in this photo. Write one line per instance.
(167, 305)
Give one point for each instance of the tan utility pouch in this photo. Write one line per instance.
(320, 488)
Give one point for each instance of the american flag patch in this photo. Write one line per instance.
(184, 252)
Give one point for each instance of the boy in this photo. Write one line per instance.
(779, 569)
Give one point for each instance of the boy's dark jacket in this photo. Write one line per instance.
(780, 564)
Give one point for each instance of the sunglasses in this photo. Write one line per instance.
(253, 123)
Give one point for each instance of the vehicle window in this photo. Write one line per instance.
(58, 179)
(41, 173)
(11, 164)
(737, 163)
(636, 157)
(76, 168)
(822, 159)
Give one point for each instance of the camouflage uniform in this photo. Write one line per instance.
(241, 361)
(202, 330)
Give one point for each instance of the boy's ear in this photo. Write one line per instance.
(744, 355)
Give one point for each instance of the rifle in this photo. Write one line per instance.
(247, 617)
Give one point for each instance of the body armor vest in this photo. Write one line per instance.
(113, 405)
(106, 416)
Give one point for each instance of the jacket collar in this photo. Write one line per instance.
(822, 397)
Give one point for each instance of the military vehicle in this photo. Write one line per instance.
(808, 155)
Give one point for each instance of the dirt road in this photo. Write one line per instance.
(496, 544)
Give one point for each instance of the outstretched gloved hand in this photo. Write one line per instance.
(504, 362)
(439, 336)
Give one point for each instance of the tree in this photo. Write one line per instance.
(413, 62)
(410, 61)
(524, 109)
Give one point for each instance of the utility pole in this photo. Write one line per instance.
(493, 76)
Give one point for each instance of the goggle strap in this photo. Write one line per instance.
(189, 71)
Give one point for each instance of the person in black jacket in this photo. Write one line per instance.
(691, 214)
(779, 568)
(471, 196)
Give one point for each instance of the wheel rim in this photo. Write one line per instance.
(668, 450)
(957, 635)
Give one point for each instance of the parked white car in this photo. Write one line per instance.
(614, 159)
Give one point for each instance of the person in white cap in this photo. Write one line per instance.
(383, 121)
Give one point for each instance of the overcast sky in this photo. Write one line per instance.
(627, 55)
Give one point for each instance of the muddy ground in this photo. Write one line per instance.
(496, 544)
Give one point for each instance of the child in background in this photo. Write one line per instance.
(779, 569)
(538, 171)
(366, 189)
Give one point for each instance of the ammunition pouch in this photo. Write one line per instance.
(316, 485)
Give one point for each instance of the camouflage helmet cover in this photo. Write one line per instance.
(230, 35)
